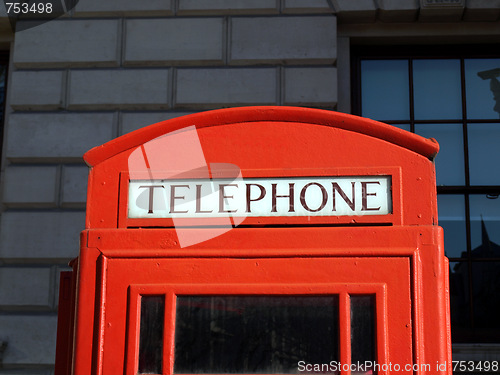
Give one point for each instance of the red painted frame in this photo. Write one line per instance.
(344, 291)
(394, 218)
(274, 142)
(420, 245)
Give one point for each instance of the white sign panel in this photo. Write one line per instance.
(260, 197)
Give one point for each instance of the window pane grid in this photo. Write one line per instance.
(469, 148)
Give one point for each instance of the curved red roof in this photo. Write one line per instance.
(413, 142)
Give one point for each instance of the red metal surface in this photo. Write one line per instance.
(343, 258)
(65, 326)
(391, 134)
(339, 276)
(288, 142)
(399, 256)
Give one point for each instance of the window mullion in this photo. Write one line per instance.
(412, 102)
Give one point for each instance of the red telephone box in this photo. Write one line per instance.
(259, 240)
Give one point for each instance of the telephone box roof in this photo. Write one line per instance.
(402, 138)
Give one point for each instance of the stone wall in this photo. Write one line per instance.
(109, 67)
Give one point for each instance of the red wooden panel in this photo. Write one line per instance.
(64, 324)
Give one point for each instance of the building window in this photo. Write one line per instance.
(452, 95)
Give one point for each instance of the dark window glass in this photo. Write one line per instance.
(476, 320)
(437, 94)
(254, 334)
(363, 329)
(482, 88)
(485, 227)
(453, 95)
(450, 163)
(484, 153)
(485, 301)
(390, 78)
(452, 219)
(460, 306)
(151, 334)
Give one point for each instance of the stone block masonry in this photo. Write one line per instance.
(68, 43)
(21, 191)
(38, 90)
(315, 86)
(108, 68)
(291, 40)
(44, 237)
(170, 41)
(26, 288)
(64, 137)
(118, 89)
(228, 7)
(131, 8)
(30, 340)
(225, 86)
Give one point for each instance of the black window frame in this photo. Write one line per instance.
(461, 52)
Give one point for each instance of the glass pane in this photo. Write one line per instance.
(450, 168)
(151, 334)
(482, 88)
(437, 92)
(484, 153)
(385, 89)
(485, 226)
(486, 301)
(363, 330)
(460, 302)
(451, 209)
(254, 334)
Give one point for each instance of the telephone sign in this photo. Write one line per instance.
(300, 196)
(274, 240)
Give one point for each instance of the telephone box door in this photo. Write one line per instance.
(257, 315)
